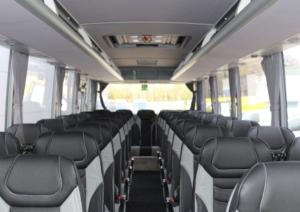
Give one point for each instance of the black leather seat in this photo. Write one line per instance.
(27, 134)
(83, 149)
(278, 138)
(222, 162)
(240, 128)
(40, 183)
(102, 137)
(294, 152)
(268, 187)
(72, 119)
(57, 125)
(195, 138)
(220, 121)
(9, 145)
(207, 117)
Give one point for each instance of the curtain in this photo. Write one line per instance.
(19, 66)
(93, 94)
(60, 76)
(272, 66)
(190, 86)
(102, 85)
(201, 104)
(75, 92)
(232, 83)
(214, 93)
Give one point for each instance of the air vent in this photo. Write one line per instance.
(147, 62)
(146, 41)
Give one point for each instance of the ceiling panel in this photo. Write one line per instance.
(277, 23)
(195, 11)
(160, 62)
(196, 32)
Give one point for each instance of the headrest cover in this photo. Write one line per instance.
(268, 187)
(79, 146)
(196, 136)
(27, 133)
(37, 180)
(99, 132)
(146, 114)
(8, 144)
(278, 138)
(240, 128)
(57, 125)
(232, 157)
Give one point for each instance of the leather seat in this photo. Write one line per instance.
(195, 138)
(102, 137)
(294, 152)
(83, 150)
(220, 121)
(278, 138)
(72, 119)
(222, 163)
(9, 145)
(268, 187)
(240, 128)
(40, 183)
(207, 117)
(55, 125)
(27, 134)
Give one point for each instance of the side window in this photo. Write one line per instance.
(254, 92)
(223, 93)
(67, 97)
(38, 91)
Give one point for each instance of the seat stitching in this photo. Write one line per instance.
(5, 143)
(49, 143)
(253, 149)
(263, 195)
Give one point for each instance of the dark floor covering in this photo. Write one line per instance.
(146, 193)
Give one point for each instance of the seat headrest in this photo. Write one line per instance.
(184, 125)
(220, 121)
(8, 144)
(294, 151)
(278, 138)
(79, 146)
(98, 131)
(240, 128)
(82, 116)
(175, 119)
(126, 111)
(196, 136)
(268, 187)
(37, 180)
(72, 119)
(232, 157)
(109, 123)
(57, 125)
(146, 114)
(207, 117)
(27, 133)
(89, 115)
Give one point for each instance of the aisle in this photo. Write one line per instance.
(146, 193)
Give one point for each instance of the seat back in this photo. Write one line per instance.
(278, 138)
(144, 123)
(9, 145)
(72, 119)
(240, 128)
(27, 133)
(268, 187)
(220, 121)
(103, 139)
(83, 150)
(194, 141)
(52, 184)
(57, 125)
(222, 163)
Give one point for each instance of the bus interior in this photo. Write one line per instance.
(149, 105)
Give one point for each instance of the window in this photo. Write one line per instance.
(37, 100)
(292, 77)
(155, 97)
(207, 96)
(4, 66)
(254, 93)
(223, 93)
(67, 97)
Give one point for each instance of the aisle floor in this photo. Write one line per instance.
(146, 193)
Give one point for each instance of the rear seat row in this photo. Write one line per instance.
(203, 157)
(99, 145)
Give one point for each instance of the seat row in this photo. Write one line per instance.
(203, 156)
(97, 142)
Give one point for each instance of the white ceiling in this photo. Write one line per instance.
(19, 24)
